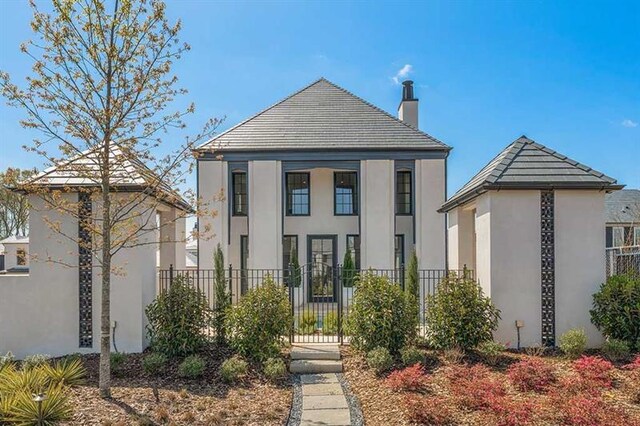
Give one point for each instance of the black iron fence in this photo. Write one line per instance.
(320, 295)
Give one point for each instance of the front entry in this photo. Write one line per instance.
(322, 259)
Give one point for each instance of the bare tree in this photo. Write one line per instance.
(99, 94)
(14, 207)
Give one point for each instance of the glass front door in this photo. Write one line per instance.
(322, 263)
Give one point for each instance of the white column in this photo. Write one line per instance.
(430, 225)
(265, 215)
(213, 225)
(377, 214)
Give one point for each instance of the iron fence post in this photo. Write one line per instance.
(289, 282)
(230, 284)
(340, 283)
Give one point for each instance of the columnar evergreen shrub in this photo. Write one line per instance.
(295, 273)
(573, 342)
(459, 314)
(348, 269)
(379, 316)
(412, 290)
(616, 309)
(178, 319)
(223, 299)
(256, 325)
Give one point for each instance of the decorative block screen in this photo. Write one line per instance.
(547, 250)
(85, 272)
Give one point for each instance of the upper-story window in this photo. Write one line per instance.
(240, 198)
(345, 193)
(298, 190)
(403, 192)
(21, 257)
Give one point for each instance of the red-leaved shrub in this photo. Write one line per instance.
(633, 365)
(531, 374)
(409, 379)
(474, 387)
(594, 369)
(592, 411)
(428, 410)
(507, 411)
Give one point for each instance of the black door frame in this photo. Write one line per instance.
(334, 266)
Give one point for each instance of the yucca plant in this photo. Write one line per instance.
(32, 380)
(54, 409)
(68, 372)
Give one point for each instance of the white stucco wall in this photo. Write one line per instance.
(580, 261)
(377, 215)
(212, 197)
(430, 225)
(265, 212)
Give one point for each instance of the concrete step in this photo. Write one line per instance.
(316, 352)
(315, 366)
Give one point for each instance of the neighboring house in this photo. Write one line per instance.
(320, 171)
(531, 224)
(622, 209)
(191, 254)
(16, 254)
(55, 308)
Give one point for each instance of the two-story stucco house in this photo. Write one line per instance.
(324, 170)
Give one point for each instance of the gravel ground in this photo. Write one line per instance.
(352, 400)
(295, 414)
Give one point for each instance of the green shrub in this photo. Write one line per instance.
(459, 314)
(490, 351)
(616, 309)
(154, 363)
(117, 360)
(573, 343)
(330, 323)
(348, 269)
(275, 368)
(177, 318)
(412, 290)
(233, 368)
(294, 271)
(191, 367)
(411, 355)
(67, 372)
(616, 350)
(379, 315)
(380, 360)
(35, 360)
(6, 360)
(256, 325)
(223, 300)
(307, 323)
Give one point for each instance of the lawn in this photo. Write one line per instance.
(205, 400)
(548, 390)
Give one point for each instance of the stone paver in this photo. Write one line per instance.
(318, 402)
(333, 417)
(322, 389)
(314, 379)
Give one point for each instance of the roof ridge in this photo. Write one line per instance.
(256, 115)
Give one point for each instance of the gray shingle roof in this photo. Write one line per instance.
(525, 164)
(623, 206)
(322, 116)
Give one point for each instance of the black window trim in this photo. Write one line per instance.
(356, 261)
(356, 202)
(234, 211)
(286, 192)
(411, 190)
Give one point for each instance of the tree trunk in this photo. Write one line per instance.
(105, 312)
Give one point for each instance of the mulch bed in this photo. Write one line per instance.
(178, 401)
(382, 406)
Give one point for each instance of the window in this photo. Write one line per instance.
(403, 192)
(353, 244)
(240, 199)
(297, 194)
(345, 193)
(21, 257)
(399, 251)
(289, 250)
(618, 236)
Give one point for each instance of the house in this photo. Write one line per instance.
(319, 172)
(16, 254)
(531, 224)
(57, 304)
(623, 218)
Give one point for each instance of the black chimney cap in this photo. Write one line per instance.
(407, 91)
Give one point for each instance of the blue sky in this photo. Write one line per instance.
(566, 74)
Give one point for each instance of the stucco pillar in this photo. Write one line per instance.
(265, 215)
(430, 225)
(377, 214)
(213, 222)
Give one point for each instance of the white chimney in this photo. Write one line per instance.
(408, 109)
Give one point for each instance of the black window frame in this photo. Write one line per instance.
(399, 211)
(289, 195)
(399, 249)
(236, 194)
(356, 249)
(355, 203)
